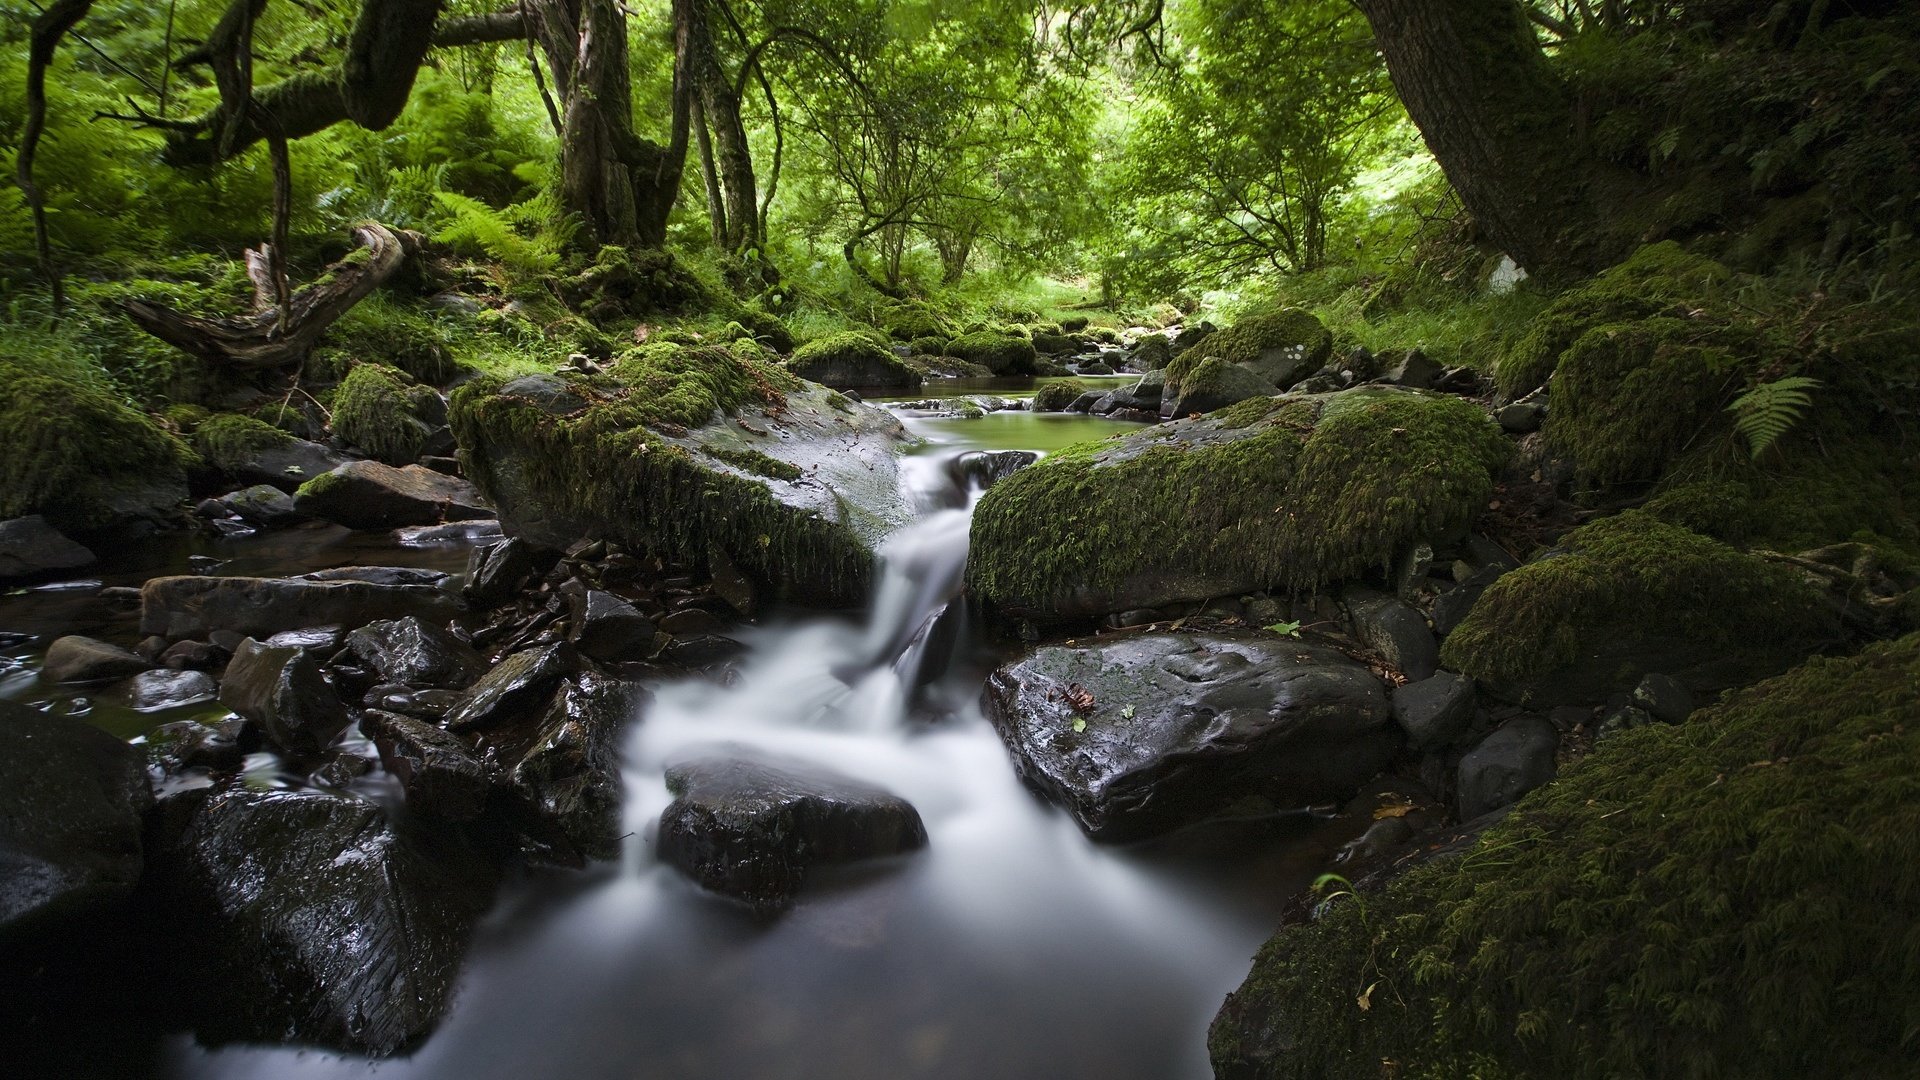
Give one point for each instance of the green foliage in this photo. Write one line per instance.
(475, 228)
(227, 440)
(379, 330)
(379, 409)
(1767, 411)
(73, 444)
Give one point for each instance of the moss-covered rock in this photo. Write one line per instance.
(1002, 352)
(1056, 396)
(1211, 384)
(1291, 492)
(910, 321)
(1279, 347)
(229, 441)
(1153, 352)
(78, 454)
(929, 346)
(690, 451)
(1629, 595)
(853, 361)
(380, 410)
(1734, 896)
(377, 331)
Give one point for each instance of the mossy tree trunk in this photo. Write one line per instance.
(733, 190)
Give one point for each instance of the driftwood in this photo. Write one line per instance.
(264, 339)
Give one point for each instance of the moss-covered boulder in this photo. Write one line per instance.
(1734, 896)
(1000, 351)
(1152, 352)
(1211, 384)
(909, 321)
(1291, 492)
(689, 451)
(1278, 347)
(79, 455)
(382, 411)
(853, 361)
(1056, 396)
(1629, 595)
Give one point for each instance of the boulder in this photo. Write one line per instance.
(1142, 734)
(853, 361)
(369, 495)
(1394, 631)
(263, 506)
(1213, 384)
(439, 771)
(190, 606)
(1434, 711)
(516, 687)
(496, 571)
(71, 801)
(1278, 348)
(1515, 759)
(152, 691)
(74, 658)
(1293, 492)
(979, 470)
(606, 627)
(283, 691)
(753, 828)
(417, 654)
(563, 770)
(1001, 352)
(1412, 369)
(682, 451)
(286, 465)
(31, 549)
(1663, 698)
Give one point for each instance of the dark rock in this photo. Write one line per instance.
(263, 506)
(1625, 718)
(193, 607)
(31, 549)
(981, 469)
(151, 691)
(731, 585)
(754, 828)
(1435, 711)
(192, 655)
(321, 640)
(453, 532)
(189, 744)
(701, 650)
(1515, 759)
(381, 575)
(74, 658)
(288, 465)
(549, 393)
(1521, 417)
(495, 572)
(1484, 553)
(692, 622)
(1213, 387)
(1395, 631)
(565, 772)
(439, 771)
(1180, 728)
(1664, 698)
(369, 495)
(606, 627)
(1085, 402)
(416, 653)
(317, 922)
(1452, 605)
(516, 687)
(71, 800)
(1410, 571)
(429, 704)
(1413, 370)
(283, 691)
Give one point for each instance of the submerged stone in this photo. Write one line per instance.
(190, 606)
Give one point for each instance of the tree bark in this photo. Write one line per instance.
(719, 100)
(48, 28)
(1501, 125)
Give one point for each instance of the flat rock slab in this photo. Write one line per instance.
(190, 606)
(30, 548)
(414, 653)
(751, 827)
(1139, 735)
(369, 495)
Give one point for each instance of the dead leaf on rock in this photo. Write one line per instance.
(1079, 698)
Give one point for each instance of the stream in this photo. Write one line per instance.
(1010, 947)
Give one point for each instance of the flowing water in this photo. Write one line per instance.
(1009, 947)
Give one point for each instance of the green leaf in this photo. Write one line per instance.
(1079, 724)
(1126, 713)
(1291, 629)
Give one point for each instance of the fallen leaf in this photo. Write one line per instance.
(1398, 810)
(1079, 724)
(1365, 1000)
(1079, 698)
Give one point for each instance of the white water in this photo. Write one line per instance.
(1010, 947)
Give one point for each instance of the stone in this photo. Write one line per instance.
(692, 622)
(701, 650)
(1434, 711)
(1213, 386)
(606, 627)
(517, 686)
(753, 828)
(1521, 417)
(1410, 571)
(563, 771)
(417, 654)
(190, 606)
(495, 572)
(174, 748)
(71, 802)
(287, 465)
(322, 640)
(75, 658)
(732, 586)
(152, 691)
(1143, 734)
(981, 469)
(381, 575)
(263, 506)
(31, 549)
(370, 495)
(1664, 698)
(453, 532)
(283, 691)
(1395, 631)
(1450, 608)
(1413, 370)
(851, 361)
(1625, 718)
(439, 771)
(1515, 759)
(191, 655)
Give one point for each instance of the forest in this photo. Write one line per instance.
(1121, 539)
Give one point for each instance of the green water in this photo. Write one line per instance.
(1012, 429)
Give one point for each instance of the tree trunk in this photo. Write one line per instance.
(1501, 125)
(733, 156)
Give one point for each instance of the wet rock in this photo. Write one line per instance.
(692, 622)
(1451, 607)
(1395, 631)
(151, 691)
(439, 771)
(515, 688)
(315, 921)
(1515, 759)
(263, 506)
(321, 640)
(731, 585)
(1663, 698)
(191, 655)
(71, 800)
(454, 532)
(287, 465)
(606, 627)
(192, 607)
(284, 692)
(75, 658)
(753, 828)
(1434, 711)
(427, 704)
(381, 575)
(565, 772)
(31, 549)
(495, 572)
(1144, 734)
(416, 653)
(700, 650)
(1521, 417)
(369, 495)
(981, 469)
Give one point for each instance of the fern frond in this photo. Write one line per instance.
(480, 228)
(1768, 411)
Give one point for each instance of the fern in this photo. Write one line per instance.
(477, 227)
(1769, 410)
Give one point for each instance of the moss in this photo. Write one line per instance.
(685, 386)
(851, 359)
(378, 331)
(1658, 278)
(1314, 491)
(1631, 594)
(908, 321)
(1734, 896)
(378, 409)
(1005, 353)
(1249, 412)
(185, 418)
(228, 441)
(73, 446)
(1055, 396)
(1153, 351)
(929, 346)
(1246, 340)
(754, 461)
(320, 485)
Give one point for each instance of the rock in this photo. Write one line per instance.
(1086, 401)
(701, 650)
(1625, 718)
(1410, 571)
(1521, 417)
(189, 744)
(1214, 384)
(1434, 711)
(692, 622)
(319, 922)
(1450, 608)
(730, 585)
(1055, 397)
(981, 469)
(1412, 369)
(31, 549)
(191, 655)
(1185, 511)
(263, 506)
(320, 640)
(754, 828)
(564, 770)
(454, 532)
(151, 691)
(71, 801)
(495, 572)
(1396, 632)
(74, 658)
(1001, 352)
(286, 465)
(1278, 347)
(549, 393)
(1186, 727)
(516, 687)
(284, 692)
(369, 495)
(606, 627)
(1663, 698)
(193, 607)
(1145, 394)
(853, 361)
(438, 770)
(1515, 759)
(415, 653)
